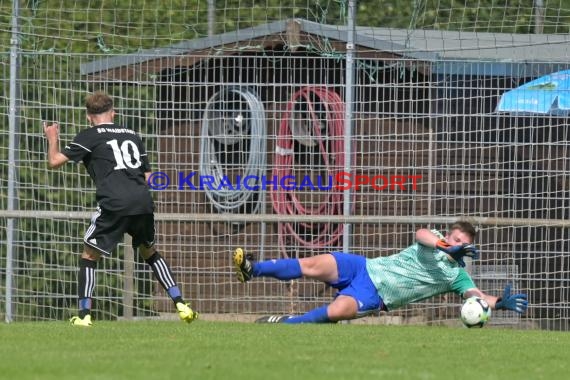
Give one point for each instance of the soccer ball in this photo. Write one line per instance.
(475, 312)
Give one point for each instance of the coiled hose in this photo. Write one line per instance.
(319, 133)
(233, 146)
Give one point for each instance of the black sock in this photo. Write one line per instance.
(164, 276)
(85, 285)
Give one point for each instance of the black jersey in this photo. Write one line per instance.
(116, 160)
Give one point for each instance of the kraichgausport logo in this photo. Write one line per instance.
(341, 181)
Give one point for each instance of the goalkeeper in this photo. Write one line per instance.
(116, 160)
(432, 265)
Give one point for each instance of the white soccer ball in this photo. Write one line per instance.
(475, 312)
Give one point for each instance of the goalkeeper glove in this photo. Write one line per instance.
(458, 251)
(515, 302)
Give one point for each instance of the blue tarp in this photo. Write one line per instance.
(547, 95)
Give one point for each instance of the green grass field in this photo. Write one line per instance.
(232, 350)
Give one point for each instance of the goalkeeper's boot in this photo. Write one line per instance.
(273, 319)
(186, 313)
(85, 322)
(242, 264)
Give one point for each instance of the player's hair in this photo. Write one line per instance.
(465, 227)
(98, 103)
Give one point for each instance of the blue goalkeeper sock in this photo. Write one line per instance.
(318, 315)
(282, 269)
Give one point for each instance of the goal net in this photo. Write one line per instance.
(289, 129)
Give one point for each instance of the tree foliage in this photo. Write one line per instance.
(122, 26)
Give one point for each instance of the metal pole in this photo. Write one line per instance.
(276, 218)
(538, 16)
(348, 119)
(12, 159)
(128, 278)
(211, 17)
(431, 122)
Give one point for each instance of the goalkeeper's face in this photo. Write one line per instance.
(458, 237)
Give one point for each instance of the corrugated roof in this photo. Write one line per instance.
(446, 51)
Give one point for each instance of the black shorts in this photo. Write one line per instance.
(107, 229)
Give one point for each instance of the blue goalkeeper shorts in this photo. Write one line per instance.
(354, 281)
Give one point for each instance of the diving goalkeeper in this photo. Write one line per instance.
(432, 265)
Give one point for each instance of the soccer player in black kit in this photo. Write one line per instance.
(117, 162)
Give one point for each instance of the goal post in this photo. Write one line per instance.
(224, 91)
(44, 285)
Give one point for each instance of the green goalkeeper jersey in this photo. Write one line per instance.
(416, 273)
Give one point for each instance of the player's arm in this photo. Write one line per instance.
(514, 302)
(427, 238)
(475, 292)
(430, 239)
(55, 157)
(455, 251)
(145, 167)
